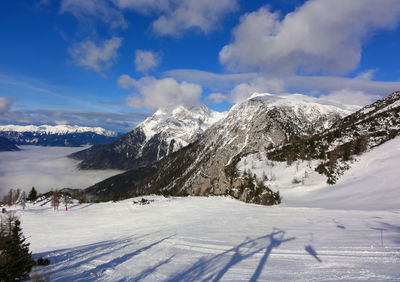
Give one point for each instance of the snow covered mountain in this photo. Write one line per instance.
(58, 135)
(335, 149)
(58, 129)
(165, 132)
(208, 165)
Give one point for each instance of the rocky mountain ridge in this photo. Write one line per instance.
(367, 128)
(207, 166)
(165, 132)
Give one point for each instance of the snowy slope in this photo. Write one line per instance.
(372, 182)
(57, 129)
(212, 239)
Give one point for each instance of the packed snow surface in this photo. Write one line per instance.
(212, 239)
(57, 129)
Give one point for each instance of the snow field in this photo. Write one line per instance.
(215, 238)
(371, 183)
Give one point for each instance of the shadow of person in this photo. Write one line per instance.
(312, 252)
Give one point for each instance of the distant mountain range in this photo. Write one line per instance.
(59, 135)
(165, 132)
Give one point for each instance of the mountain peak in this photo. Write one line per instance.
(181, 123)
(166, 131)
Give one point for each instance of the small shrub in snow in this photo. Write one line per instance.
(43, 262)
(296, 181)
(142, 202)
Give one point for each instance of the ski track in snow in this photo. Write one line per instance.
(212, 239)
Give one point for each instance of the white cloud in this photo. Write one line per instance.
(174, 17)
(126, 82)
(144, 6)
(45, 168)
(243, 91)
(367, 75)
(193, 14)
(5, 105)
(146, 60)
(214, 81)
(61, 122)
(229, 84)
(327, 84)
(96, 56)
(320, 36)
(216, 98)
(88, 11)
(348, 96)
(155, 93)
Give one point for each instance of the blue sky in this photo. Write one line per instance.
(111, 63)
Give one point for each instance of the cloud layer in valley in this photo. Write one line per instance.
(45, 168)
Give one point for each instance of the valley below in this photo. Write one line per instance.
(45, 168)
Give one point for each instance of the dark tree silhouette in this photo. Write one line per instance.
(32, 195)
(15, 258)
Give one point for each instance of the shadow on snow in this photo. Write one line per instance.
(214, 268)
(66, 263)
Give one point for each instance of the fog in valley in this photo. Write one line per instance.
(45, 168)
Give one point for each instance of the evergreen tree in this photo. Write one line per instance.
(15, 258)
(32, 195)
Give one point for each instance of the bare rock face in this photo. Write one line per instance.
(208, 165)
(262, 122)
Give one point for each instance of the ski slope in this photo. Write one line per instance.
(212, 239)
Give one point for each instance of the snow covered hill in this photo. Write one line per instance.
(261, 122)
(165, 132)
(212, 239)
(58, 135)
(371, 183)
